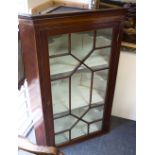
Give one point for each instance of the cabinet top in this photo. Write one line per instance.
(63, 11)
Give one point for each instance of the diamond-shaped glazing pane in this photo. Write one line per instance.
(81, 44)
(80, 94)
(58, 44)
(104, 37)
(99, 59)
(79, 111)
(62, 66)
(60, 104)
(99, 87)
(64, 123)
(97, 126)
(79, 129)
(94, 114)
(61, 138)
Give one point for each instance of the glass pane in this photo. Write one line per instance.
(104, 37)
(88, 81)
(99, 87)
(97, 126)
(64, 123)
(94, 114)
(79, 111)
(62, 66)
(99, 59)
(81, 44)
(79, 129)
(61, 138)
(60, 104)
(58, 44)
(80, 94)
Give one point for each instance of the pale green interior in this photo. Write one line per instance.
(88, 82)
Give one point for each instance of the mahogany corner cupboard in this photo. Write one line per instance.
(71, 61)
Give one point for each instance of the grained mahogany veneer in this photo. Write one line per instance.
(71, 61)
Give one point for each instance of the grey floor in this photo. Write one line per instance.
(121, 140)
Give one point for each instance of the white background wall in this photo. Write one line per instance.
(124, 103)
(33, 3)
(25, 5)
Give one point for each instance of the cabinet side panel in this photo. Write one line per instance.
(45, 85)
(112, 74)
(28, 42)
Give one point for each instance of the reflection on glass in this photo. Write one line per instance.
(58, 44)
(99, 87)
(99, 59)
(94, 114)
(64, 123)
(104, 37)
(61, 138)
(97, 126)
(81, 44)
(79, 129)
(80, 93)
(62, 66)
(60, 104)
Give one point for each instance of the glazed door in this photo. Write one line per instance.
(79, 67)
